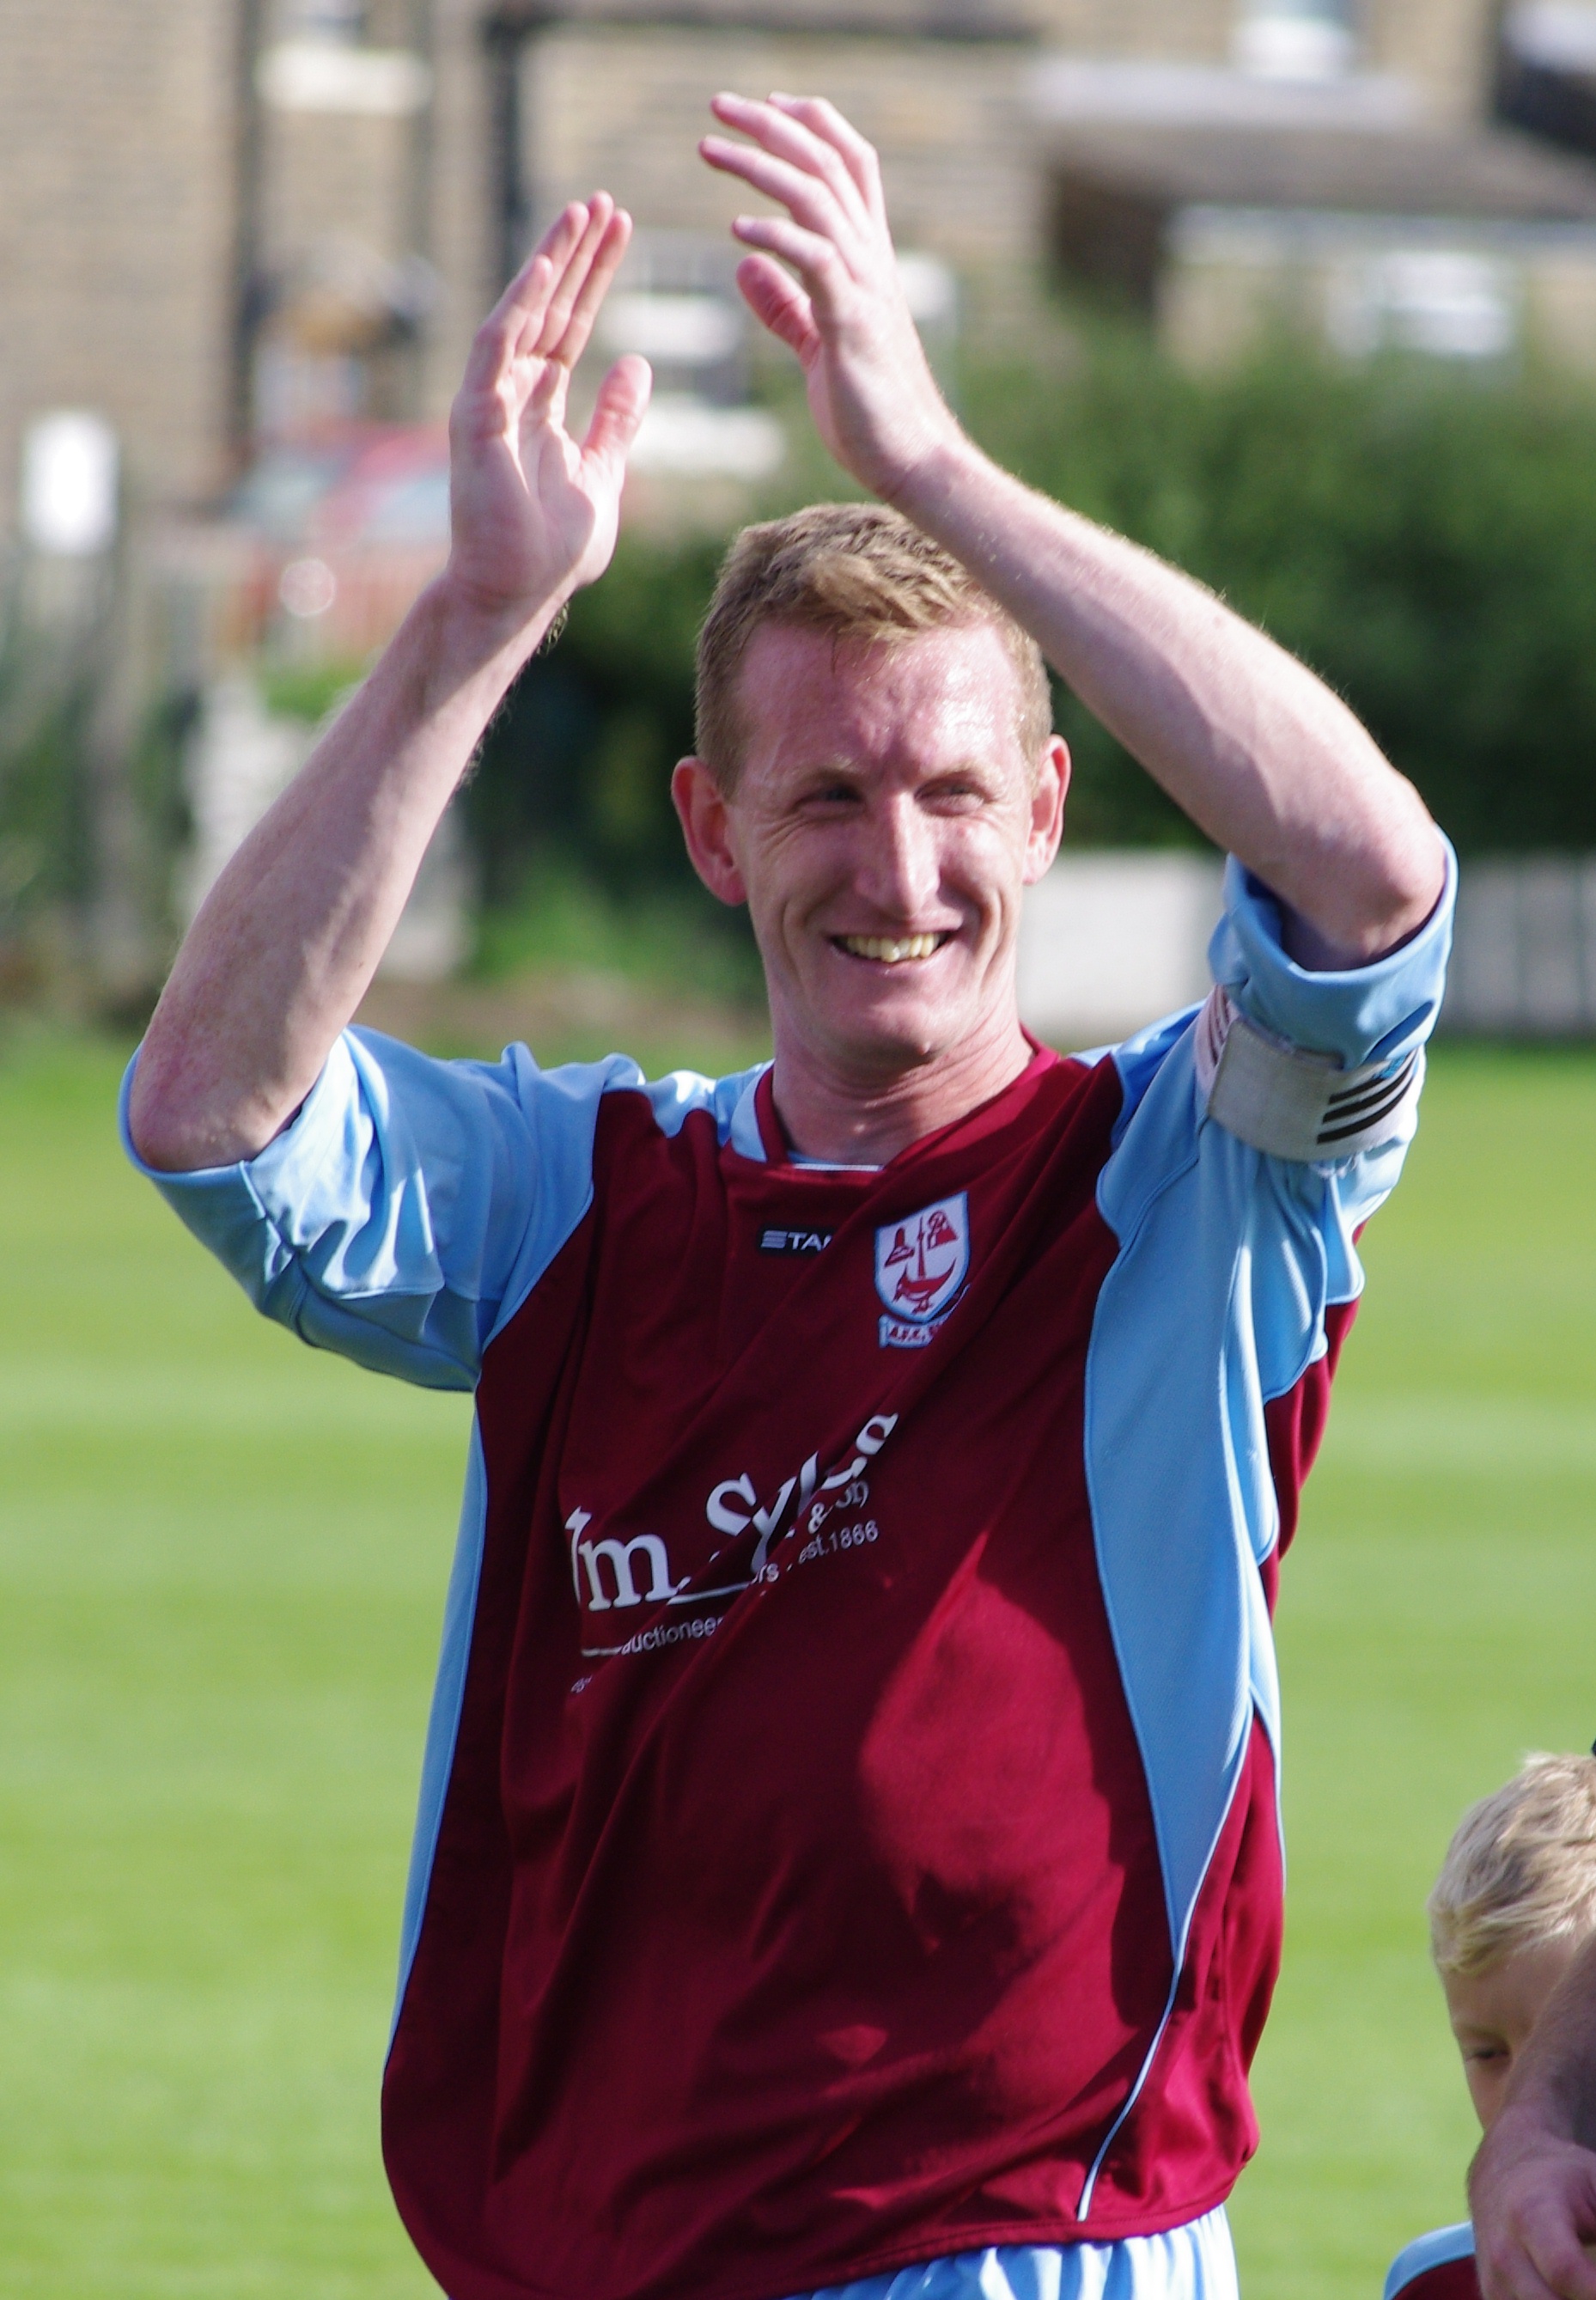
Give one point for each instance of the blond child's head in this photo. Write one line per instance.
(1514, 1902)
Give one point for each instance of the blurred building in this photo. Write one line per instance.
(225, 219)
(1371, 175)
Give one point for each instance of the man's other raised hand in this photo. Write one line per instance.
(289, 937)
(871, 393)
(533, 513)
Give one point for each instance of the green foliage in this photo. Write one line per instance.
(1426, 541)
(46, 701)
(44, 828)
(308, 690)
(579, 759)
(670, 936)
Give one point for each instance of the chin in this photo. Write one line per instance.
(901, 1035)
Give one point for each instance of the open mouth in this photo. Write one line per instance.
(891, 950)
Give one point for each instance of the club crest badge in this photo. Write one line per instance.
(921, 1264)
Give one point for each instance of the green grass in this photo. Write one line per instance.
(222, 1566)
(1437, 1620)
(222, 1563)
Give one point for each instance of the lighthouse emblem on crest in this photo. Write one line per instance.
(921, 1261)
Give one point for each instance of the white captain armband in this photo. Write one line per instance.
(1291, 1104)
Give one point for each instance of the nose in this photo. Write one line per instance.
(902, 866)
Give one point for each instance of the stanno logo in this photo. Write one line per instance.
(794, 1241)
(920, 1264)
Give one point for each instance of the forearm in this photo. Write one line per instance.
(1554, 2078)
(1254, 748)
(289, 938)
(1532, 2187)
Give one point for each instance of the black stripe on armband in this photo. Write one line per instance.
(1292, 1103)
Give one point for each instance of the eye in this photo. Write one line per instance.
(954, 795)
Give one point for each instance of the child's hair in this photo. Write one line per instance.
(1521, 1868)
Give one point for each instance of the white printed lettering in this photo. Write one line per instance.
(766, 1522)
(619, 1555)
(734, 1506)
(725, 1520)
(574, 1525)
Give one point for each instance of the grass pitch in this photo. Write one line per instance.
(222, 1566)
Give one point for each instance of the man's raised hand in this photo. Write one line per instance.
(533, 514)
(872, 395)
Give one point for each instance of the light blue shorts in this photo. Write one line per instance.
(1193, 2262)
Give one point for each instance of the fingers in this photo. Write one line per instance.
(1536, 2268)
(1516, 2279)
(622, 402)
(777, 302)
(525, 303)
(544, 333)
(791, 129)
(1560, 2260)
(601, 248)
(548, 309)
(810, 254)
(1553, 2219)
(1534, 2205)
(859, 157)
(808, 198)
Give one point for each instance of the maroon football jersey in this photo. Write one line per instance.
(797, 1907)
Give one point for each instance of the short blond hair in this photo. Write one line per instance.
(866, 575)
(1521, 1868)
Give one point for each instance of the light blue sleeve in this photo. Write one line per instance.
(1229, 1260)
(1371, 1014)
(411, 1205)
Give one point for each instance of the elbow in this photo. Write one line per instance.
(176, 1121)
(1359, 910)
(1407, 883)
(161, 1133)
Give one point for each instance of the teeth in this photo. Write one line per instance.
(891, 953)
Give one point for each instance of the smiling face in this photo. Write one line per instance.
(1493, 2012)
(883, 824)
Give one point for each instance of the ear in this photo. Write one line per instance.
(1047, 808)
(704, 813)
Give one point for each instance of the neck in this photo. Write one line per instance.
(863, 1116)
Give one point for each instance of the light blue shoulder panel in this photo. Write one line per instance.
(448, 1697)
(412, 1204)
(1436, 2250)
(1228, 1260)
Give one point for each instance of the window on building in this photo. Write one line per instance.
(1295, 39)
(319, 19)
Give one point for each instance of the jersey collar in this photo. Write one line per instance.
(984, 1117)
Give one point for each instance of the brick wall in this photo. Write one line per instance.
(116, 220)
(1446, 46)
(625, 109)
(1188, 31)
(117, 172)
(464, 229)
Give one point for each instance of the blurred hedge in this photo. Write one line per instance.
(1426, 541)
